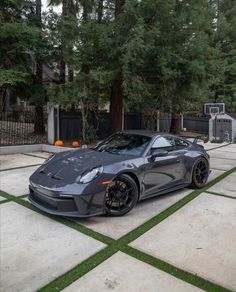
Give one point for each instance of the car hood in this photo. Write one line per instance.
(68, 166)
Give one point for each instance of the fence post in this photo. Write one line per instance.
(182, 122)
(158, 120)
(51, 130)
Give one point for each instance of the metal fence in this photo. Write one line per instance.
(195, 124)
(70, 124)
(20, 127)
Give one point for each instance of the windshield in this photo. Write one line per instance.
(122, 143)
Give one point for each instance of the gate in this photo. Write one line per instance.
(70, 125)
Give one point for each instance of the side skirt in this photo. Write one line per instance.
(165, 191)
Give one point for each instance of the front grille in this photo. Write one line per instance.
(53, 203)
(36, 198)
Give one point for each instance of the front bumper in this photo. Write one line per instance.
(72, 206)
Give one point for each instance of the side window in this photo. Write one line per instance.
(180, 144)
(166, 143)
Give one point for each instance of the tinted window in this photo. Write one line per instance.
(180, 144)
(124, 144)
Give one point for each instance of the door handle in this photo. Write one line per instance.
(178, 160)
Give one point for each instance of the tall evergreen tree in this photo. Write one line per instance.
(19, 38)
(224, 87)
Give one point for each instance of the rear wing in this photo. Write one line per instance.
(197, 139)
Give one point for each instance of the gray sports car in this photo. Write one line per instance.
(111, 178)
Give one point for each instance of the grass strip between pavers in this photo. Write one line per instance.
(172, 270)
(121, 244)
(217, 147)
(220, 195)
(37, 156)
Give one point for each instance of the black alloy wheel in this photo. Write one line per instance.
(200, 173)
(121, 195)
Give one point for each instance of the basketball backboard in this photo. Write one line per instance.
(214, 108)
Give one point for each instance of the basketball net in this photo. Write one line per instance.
(213, 115)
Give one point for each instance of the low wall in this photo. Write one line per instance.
(32, 148)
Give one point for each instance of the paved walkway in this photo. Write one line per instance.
(183, 241)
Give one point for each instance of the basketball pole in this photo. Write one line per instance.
(215, 127)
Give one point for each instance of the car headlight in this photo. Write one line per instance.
(49, 158)
(90, 175)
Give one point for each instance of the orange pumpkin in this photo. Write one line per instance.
(59, 143)
(75, 144)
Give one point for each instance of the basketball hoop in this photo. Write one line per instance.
(214, 111)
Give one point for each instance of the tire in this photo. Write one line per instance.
(200, 173)
(121, 196)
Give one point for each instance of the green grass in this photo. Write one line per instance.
(221, 195)
(221, 146)
(33, 155)
(122, 244)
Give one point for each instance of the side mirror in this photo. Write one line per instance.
(157, 152)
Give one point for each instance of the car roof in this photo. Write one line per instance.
(152, 134)
(144, 133)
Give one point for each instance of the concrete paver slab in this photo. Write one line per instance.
(227, 186)
(222, 164)
(214, 174)
(199, 238)
(18, 160)
(16, 181)
(122, 272)
(116, 227)
(230, 148)
(36, 249)
(40, 154)
(222, 155)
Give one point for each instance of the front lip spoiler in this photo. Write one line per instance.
(86, 205)
(64, 214)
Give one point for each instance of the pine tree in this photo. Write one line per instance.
(225, 39)
(17, 37)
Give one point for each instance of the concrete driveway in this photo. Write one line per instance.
(183, 241)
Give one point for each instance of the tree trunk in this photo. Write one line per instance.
(63, 46)
(100, 10)
(175, 124)
(116, 105)
(70, 75)
(119, 7)
(39, 127)
(62, 71)
(116, 102)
